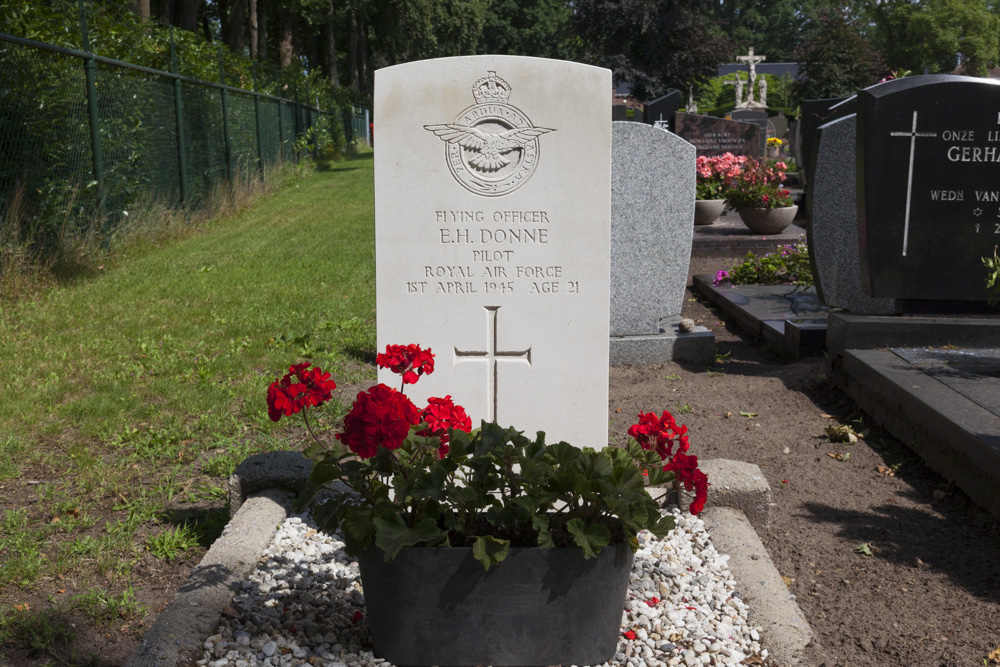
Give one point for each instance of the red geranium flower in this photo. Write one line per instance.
(380, 417)
(440, 415)
(410, 361)
(685, 469)
(660, 433)
(285, 398)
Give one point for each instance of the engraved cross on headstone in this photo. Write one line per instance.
(912, 134)
(492, 356)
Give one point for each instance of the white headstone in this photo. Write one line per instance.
(492, 209)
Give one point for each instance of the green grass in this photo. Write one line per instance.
(141, 386)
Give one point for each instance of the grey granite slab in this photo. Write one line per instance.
(974, 374)
(652, 225)
(833, 232)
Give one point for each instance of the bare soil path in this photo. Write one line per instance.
(928, 593)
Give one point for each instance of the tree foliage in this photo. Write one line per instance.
(772, 27)
(835, 56)
(540, 28)
(931, 35)
(651, 45)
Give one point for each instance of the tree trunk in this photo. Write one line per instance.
(362, 55)
(166, 11)
(189, 14)
(237, 26)
(223, 7)
(141, 9)
(252, 13)
(286, 46)
(352, 51)
(331, 50)
(262, 30)
(206, 27)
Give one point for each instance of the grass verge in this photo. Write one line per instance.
(132, 392)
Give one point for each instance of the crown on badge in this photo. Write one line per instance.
(491, 88)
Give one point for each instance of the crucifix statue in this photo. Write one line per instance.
(751, 60)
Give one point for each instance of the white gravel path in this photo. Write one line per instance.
(304, 605)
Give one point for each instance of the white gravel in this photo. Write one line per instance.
(304, 605)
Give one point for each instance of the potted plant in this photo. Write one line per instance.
(712, 176)
(774, 145)
(483, 546)
(757, 193)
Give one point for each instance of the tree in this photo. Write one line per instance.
(772, 27)
(930, 35)
(651, 45)
(540, 28)
(835, 57)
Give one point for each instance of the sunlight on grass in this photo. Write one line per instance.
(141, 387)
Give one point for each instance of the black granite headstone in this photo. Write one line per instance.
(715, 136)
(812, 114)
(928, 186)
(663, 108)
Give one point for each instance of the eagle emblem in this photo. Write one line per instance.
(492, 147)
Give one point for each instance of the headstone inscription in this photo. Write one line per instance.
(715, 136)
(492, 208)
(928, 193)
(833, 232)
(662, 109)
(652, 229)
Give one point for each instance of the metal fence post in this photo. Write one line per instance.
(179, 112)
(256, 109)
(225, 118)
(90, 70)
(281, 129)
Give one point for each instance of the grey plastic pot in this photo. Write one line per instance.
(437, 606)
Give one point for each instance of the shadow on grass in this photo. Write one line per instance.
(363, 355)
(206, 523)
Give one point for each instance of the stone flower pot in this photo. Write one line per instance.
(768, 220)
(707, 210)
(437, 606)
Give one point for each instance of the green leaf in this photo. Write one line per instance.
(662, 526)
(589, 537)
(490, 551)
(540, 522)
(864, 549)
(392, 533)
(358, 528)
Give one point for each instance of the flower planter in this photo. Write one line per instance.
(707, 210)
(768, 220)
(437, 606)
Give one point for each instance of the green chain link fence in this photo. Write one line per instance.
(84, 137)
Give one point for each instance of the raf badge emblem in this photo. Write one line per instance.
(492, 147)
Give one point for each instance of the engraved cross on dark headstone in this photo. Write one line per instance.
(912, 134)
(492, 356)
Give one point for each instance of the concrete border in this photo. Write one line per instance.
(176, 638)
(180, 630)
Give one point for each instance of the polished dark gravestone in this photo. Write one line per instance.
(928, 189)
(663, 108)
(716, 136)
(974, 374)
(758, 118)
(812, 114)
